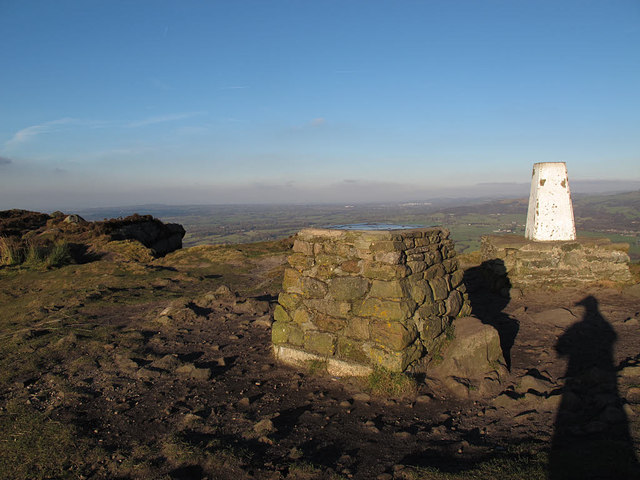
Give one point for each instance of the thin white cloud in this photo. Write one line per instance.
(164, 118)
(28, 133)
(317, 122)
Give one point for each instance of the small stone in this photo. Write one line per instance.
(384, 476)
(402, 435)
(345, 404)
(361, 397)
(189, 370)
(264, 321)
(244, 402)
(632, 371)
(633, 395)
(264, 427)
(423, 399)
(529, 382)
(295, 453)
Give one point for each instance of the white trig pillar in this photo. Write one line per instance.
(550, 214)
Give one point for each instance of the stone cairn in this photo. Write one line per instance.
(357, 299)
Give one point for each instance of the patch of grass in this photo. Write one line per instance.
(33, 446)
(450, 332)
(33, 254)
(515, 464)
(385, 383)
(308, 471)
(11, 251)
(218, 462)
(58, 255)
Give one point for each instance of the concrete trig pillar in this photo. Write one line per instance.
(550, 214)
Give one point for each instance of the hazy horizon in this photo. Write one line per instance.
(348, 193)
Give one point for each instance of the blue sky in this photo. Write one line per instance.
(119, 102)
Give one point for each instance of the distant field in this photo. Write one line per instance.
(613, 216)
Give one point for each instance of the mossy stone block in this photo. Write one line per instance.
(351, 266)
(291, 281)
(389, 289)
(351, 350)
(329, 307)
(434, 271)
(358, 328)
(289, 301)
(300, 261)
(453, 304)
(312, 288)
(348, 288)
(386, 310)
(296, 335)
(382, 271)
(301, 315)
(393, 335)
(393, 360)
(281, 315)
(321, 343)
(330, 324)
(280, 332)
(300, 246)
(439, 287)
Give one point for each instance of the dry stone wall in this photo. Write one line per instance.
(364, 298)
(515, 261)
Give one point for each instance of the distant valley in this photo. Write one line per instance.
(614, 216)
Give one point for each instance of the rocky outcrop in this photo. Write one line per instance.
(40, 228)
(16, 223)
(161, 238)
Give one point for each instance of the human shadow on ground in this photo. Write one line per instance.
(488, 287)
(591, 432)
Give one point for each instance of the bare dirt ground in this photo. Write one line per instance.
(118, 369)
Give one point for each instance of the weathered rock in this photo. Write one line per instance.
(76, 219)
(161, 238)
(189, 370)
(529, 382)
(264, 427)
(470, 359)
